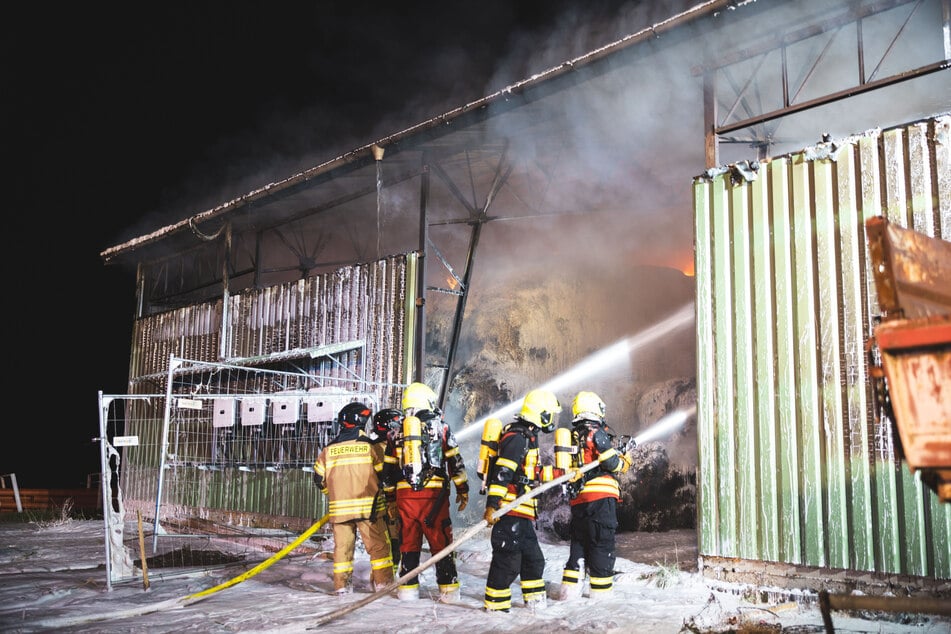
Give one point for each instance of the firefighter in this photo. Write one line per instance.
(515, 548)
(593, 499)
(348, 473)
(422, 466)
(387, 431)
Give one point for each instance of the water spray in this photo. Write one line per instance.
(596, 363)
(666, 425)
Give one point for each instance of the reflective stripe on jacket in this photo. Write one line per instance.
(349, 473)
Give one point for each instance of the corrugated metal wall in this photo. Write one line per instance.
(365, 302)
(792, 465)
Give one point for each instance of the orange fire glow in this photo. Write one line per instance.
(682, 261)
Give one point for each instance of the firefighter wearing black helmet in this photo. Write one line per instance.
(348, 473)
(386, 431)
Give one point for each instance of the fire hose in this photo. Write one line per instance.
(466, 536)
(192, 598)
(198, 596)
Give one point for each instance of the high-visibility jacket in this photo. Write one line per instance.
(596, 445)
(348, 472)
(516, 470)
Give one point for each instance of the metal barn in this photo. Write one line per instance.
(353, 275)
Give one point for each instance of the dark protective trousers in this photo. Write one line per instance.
(592, 530)
(515, 553)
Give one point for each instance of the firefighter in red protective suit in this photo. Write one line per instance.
(348, 472)
(515, 548)
(422, 465)
(387, 431)
(594, 497)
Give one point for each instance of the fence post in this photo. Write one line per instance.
(16, 489)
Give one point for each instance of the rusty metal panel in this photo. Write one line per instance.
(916, 355)
(910, 272)
(794, 466)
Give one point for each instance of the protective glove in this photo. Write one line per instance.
(576, 474)
(489, 511)
(393, 512)
(462, 499)
(625, 463)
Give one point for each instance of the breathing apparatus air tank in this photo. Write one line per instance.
(564, 449)
(488, 450)
(412, 454)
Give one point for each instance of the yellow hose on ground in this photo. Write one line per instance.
(192, 598)
(174, 604)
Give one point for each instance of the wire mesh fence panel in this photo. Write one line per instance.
(220, 468)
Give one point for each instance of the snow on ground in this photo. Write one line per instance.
(53, 578)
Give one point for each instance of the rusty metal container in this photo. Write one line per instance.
(912, 274)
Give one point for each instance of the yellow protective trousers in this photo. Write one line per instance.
(376, 540)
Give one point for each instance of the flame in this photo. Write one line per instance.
(687, 268)
(681, 260)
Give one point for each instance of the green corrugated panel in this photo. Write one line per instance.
(765, 416)
(785, 302)
(725, 436)
(808, 409)
(885, 520)
(857, 386)
(830, 364)
(940, 132)
(900, 204)
(920, 194)
(893, 172)
(707, 499)
(923, 205)
(940, 538)
(745, 451)
(914, 553)
(790, 528)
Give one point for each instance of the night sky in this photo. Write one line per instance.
(119, 119)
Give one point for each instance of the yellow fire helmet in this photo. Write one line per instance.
(417, 397)
(539, 408)
(587, 405)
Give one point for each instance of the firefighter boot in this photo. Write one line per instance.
(343, 583)
(570, 586)
(564, 591)
(449, 593)
(381, 578)
(600, 588)
(536, 603)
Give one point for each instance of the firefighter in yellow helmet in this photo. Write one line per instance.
(515, 549)
(422, 465)
(593, 500)
(348, 472)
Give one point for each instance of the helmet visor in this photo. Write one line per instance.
(545, 421)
